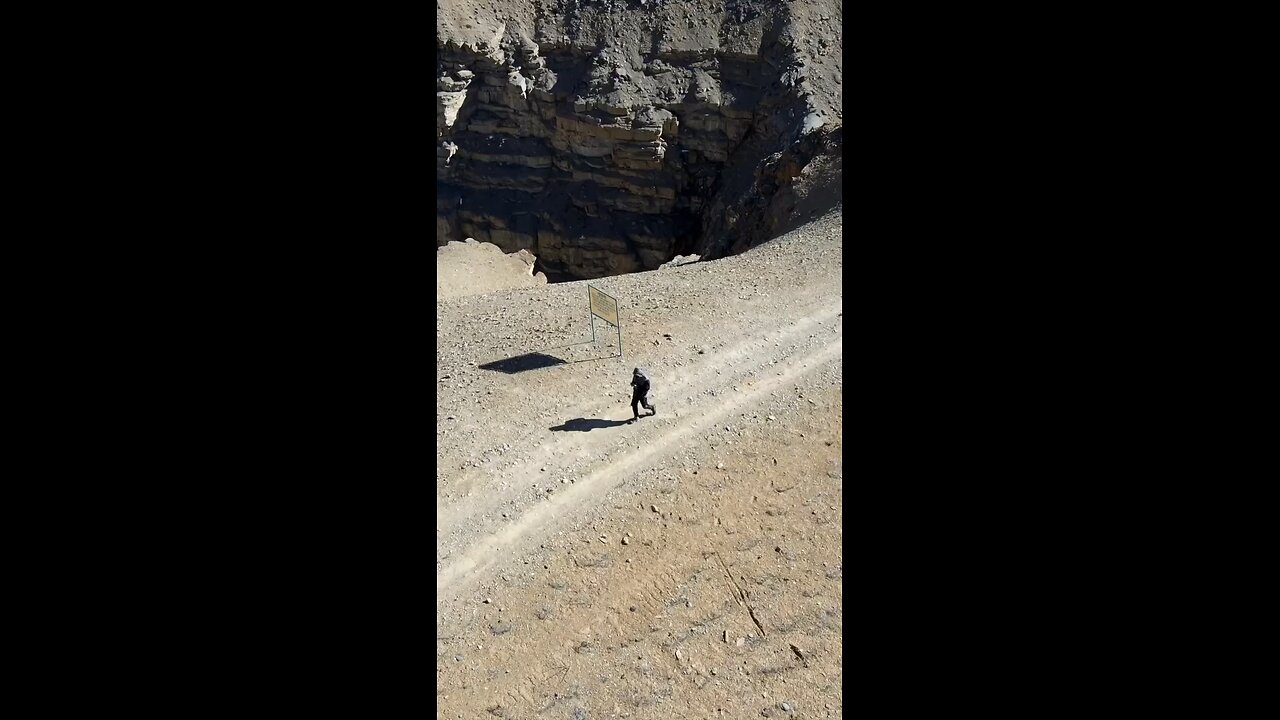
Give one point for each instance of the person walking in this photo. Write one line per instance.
(640, 394)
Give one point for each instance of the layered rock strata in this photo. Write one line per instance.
(606, 137)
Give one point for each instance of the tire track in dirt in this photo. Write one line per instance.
(561, 452)
(492, 547)
(719, 372)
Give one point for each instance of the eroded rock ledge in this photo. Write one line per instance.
(474, 268)
(611, 136)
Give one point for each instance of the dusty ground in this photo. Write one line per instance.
(688, 565)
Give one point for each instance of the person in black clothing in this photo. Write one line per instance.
(640, 395)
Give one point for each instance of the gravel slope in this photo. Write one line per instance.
(694, 555)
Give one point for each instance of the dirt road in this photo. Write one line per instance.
(688, 563)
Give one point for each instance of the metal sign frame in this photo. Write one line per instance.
(592, 301)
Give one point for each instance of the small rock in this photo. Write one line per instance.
(653, 508)
(741, 642)
(626, 541)
(488, 600)
(786, 707)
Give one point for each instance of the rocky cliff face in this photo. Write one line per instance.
(607, 136)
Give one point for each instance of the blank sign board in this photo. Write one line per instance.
(603, 306)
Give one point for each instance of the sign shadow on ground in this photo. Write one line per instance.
(523, 363)
(586, 424)
(531, 361)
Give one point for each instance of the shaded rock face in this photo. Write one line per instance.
(606, 137)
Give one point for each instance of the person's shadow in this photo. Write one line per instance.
(586, 424)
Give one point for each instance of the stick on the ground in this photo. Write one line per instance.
(799, 654)
(741, 596)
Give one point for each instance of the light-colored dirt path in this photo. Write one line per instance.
(657, 441)
(712, 385)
